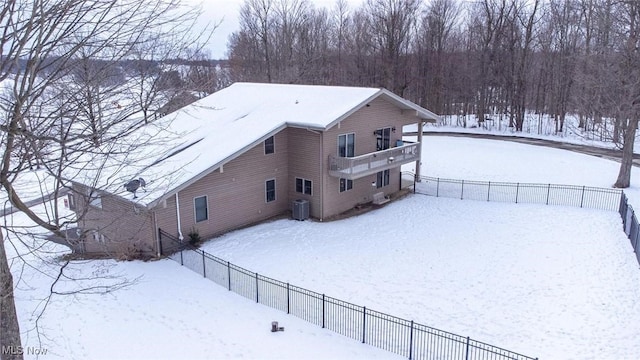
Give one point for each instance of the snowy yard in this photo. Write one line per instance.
(553, 282)
(168, 312)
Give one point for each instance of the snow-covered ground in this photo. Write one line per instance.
(165, 312)
(491, 160)
(553, 282)
(535, 126)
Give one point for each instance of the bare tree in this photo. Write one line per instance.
(626, 74)
(61, 69)
(434, 47)
(392, 24)
(255, 36)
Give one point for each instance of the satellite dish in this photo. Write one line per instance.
(133, 186)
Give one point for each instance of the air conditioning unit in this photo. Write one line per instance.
(300, 209)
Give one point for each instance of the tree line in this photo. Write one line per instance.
(484, 57)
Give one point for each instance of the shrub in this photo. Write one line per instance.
(194, 237)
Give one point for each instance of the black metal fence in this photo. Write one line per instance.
(400, 336)
(547, 194)
(630, 224)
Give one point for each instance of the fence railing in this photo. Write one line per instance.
(384, 331)
(547, 194)
(531, 193)
(630, 224)
(359, 166)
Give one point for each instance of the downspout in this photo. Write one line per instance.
(321, 153)
(178, 217)
(155, 233)
(322, 160)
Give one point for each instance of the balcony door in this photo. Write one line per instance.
(383, 142)
(383, 139)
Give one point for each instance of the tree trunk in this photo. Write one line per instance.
(624, 176)
(10, 343)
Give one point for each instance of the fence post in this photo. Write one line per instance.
(257, 299)
(621, 203)
(204, 267)
(364, 323)
(411, 341)
(415, 180)
(517, 191)
(489, 191)
(288, 303)
(229, 274)
(582, 199)
(548, 191)
(323, 311)
(437, 187)
(160, 241)
(462, 191)
(467, 356)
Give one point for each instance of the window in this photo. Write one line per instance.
(383, 139)
(303, 186)
(200, 205)
(382, 178)
(72, 201)
(345, 185)
(97, 237)
(270, 190)
(269, 146)
(346, 145)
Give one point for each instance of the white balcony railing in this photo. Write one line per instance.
(359, 166)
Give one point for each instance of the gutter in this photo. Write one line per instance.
(156, 234)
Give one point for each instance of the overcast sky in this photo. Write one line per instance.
(228, 11)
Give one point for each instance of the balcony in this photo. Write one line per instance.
(360, 166)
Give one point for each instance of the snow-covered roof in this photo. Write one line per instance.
(216, 129)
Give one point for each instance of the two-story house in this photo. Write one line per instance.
(252, 150)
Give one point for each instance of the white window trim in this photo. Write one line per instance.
(264, 145)
(72, 201)
(345, 185)
(98, 237)
(382, 134)
(382, 179)
(275, 191)
(303, 186)
(346, 137)
(195, 212)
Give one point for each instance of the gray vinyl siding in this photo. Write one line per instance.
(379, 114)
(305, 162)
(125, 225)
(235, 196)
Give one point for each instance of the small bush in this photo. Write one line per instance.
(194, 237)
